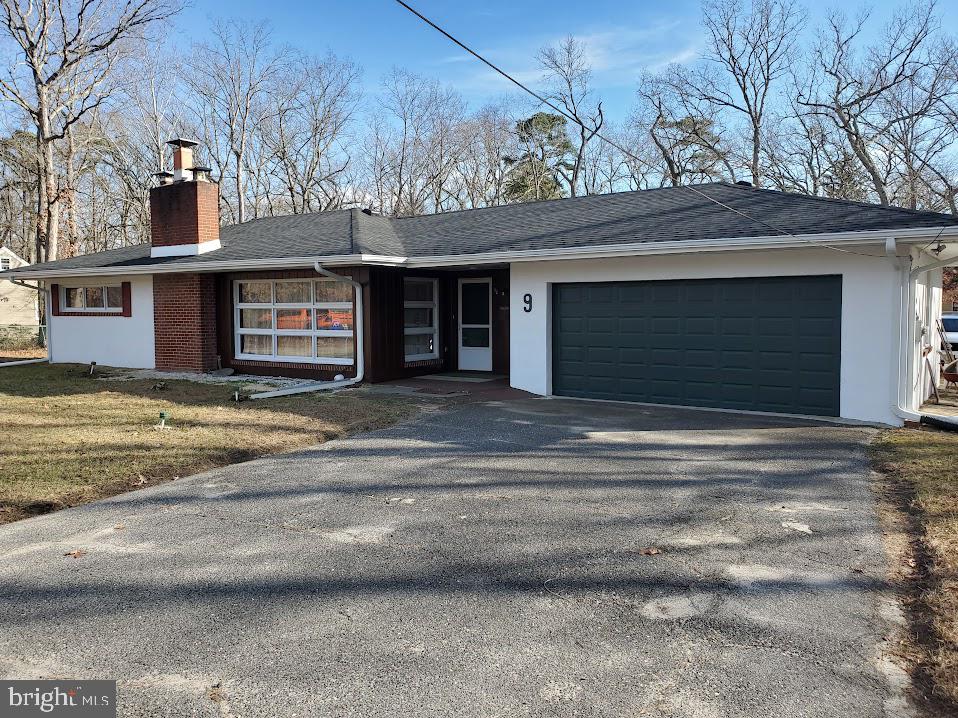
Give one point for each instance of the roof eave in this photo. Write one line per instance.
(838, 239)
(824, 241)
(338, 260)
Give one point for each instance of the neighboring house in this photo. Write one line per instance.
(743, 298)
(18, 305)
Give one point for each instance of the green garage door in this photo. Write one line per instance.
(761, 344)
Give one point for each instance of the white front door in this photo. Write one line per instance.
(475, 324)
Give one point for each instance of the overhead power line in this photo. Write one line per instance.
(571, 116)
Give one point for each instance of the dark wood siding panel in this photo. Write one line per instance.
(500, 322)
(388, 359)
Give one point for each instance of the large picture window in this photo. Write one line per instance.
(294, 320)
(420, 319)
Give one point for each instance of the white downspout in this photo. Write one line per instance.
(357, 330)
(902, 365)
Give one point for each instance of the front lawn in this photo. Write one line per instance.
(67, 438)
(921, 493)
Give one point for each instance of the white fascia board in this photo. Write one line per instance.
(916, 235)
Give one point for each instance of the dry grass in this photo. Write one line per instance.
(922, 467)
(23, 353)
(69, 438)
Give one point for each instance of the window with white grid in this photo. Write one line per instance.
(294, 320)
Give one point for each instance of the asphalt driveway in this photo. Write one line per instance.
(482, 561)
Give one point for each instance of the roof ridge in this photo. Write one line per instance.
(353, 228)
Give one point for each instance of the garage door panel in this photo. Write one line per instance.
(632, 326)
(737, 359)
(817, 361)
(771, 344)
(701, 359)
(738, 326)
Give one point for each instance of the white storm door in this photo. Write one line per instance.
(475, 324)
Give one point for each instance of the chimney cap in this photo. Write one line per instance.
(201, 174)
(182, 142)
(162, 173)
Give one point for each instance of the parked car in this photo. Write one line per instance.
(950, 322)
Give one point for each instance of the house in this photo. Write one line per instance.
(718, 295)
(18, 304)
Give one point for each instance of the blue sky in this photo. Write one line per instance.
(623, 37)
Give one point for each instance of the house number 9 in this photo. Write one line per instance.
(527, 300)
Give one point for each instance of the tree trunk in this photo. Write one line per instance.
(48, 220)
(72, 248)
(240, 199)
(756, 162)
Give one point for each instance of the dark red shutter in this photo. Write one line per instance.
(127, 300)
(55, 299)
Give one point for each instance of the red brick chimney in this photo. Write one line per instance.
(184, 208)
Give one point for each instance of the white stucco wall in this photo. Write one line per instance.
(869, 296)
(109, 341)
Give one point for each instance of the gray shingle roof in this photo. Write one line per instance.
(659, 215)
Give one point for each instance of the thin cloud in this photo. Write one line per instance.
(618, 56)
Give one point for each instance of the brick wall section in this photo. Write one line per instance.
(184, 322)
(184, 213)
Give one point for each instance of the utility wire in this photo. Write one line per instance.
(616, 145)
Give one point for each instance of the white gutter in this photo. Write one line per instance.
(596, 252)
(357, 330)
(342, 260)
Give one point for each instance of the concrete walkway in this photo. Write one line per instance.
(488, 560)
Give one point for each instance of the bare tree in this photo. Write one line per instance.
(67, 50)
(489, 140)
(569, 74)
(852, 92)
(232, 78)
(685, 130)
(415, 145)
(748, 52)
(314, 104)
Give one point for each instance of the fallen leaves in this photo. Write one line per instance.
(650, 551)
(76, 553)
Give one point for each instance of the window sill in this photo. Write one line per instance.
(268, 359)
(74, 313)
